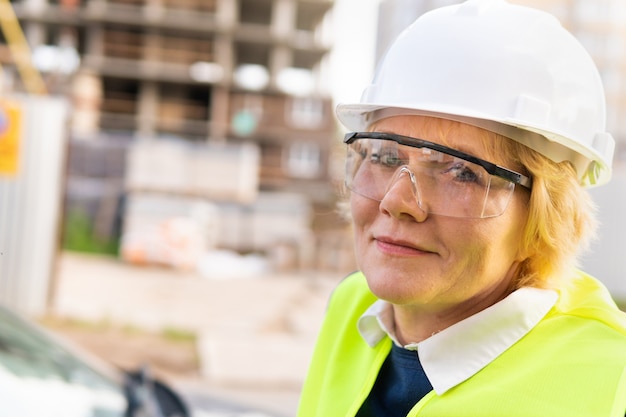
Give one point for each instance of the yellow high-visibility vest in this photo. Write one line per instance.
(572, 364)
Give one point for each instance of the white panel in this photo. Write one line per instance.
(30, 205)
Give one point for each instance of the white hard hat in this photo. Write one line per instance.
(505, 68)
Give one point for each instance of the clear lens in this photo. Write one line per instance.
(443, 184)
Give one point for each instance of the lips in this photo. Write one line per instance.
(399, 246)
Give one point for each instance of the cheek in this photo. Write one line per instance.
(483, 246)
(363, 210)
(493, 250)
(465, 247)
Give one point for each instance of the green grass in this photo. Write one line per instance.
(178, 335)
(171, 334)
(78, 236)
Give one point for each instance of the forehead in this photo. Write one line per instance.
(463, 137)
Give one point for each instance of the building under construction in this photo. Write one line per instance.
(212, 112)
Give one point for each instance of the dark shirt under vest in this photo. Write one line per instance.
(400, 384)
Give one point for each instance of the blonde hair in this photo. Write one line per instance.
(561, 216)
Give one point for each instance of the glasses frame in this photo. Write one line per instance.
(491, 168)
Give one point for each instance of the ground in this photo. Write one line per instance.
(170, 354)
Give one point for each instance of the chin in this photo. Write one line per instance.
(396, 291)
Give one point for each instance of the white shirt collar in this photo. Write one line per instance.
(457, 353)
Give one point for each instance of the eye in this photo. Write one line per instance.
(389, 157)
(464, 173)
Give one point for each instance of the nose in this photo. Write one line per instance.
(401, 197)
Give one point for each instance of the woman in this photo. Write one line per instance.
(474, 143)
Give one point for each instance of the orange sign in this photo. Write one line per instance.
(10, 132)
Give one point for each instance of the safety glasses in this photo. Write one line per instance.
(444, 181)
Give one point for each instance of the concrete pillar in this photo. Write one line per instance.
(153, 10)
(220, 114)
(147, 108)
(283, 18)
(94, 45)
(35, 34)
(227, 13)
(281, 57)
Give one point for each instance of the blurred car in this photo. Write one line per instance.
(43, 376)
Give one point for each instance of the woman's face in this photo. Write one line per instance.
(433, 262)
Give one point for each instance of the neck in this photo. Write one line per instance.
(415, 323)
